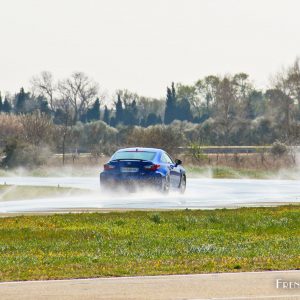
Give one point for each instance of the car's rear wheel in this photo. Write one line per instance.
(165, 188)
(106, 188)
(182, 186)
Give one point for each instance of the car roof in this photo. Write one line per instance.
(141, 149)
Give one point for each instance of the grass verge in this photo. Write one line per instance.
(149, 243)
(10, 192)
(228, 172)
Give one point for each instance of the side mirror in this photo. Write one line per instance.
(178, 162)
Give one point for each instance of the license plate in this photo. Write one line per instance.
(129, 170)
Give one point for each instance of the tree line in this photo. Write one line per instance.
(217, 110)
(77, 98)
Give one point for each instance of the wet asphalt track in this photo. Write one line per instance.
(201, 193)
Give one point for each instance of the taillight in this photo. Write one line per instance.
(108, 167)
(152, 167)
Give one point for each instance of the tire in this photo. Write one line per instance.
(182, 186)
(106, 187)
(165, 186)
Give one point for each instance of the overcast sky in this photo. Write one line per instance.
(145, 45)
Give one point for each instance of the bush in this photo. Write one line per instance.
(278, 148)
(96, 137)
(18, 153)
(197, 154)
(10, 127)
(159, 136)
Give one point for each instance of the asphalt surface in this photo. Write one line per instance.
(235, 286)
(200, 194)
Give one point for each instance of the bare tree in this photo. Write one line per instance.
(242, 90)
(37, 128)
(207, 89)
(150, 105)
(281, 108)
(64, 132)
(293, 80)
(284, 97)
(288, 81)
(241, 85)
(79, 90)
(127, 96)
(225, 107)
(45, 85)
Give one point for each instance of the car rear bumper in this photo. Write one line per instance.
(132, 180)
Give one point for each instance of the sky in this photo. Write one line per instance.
(145, 45)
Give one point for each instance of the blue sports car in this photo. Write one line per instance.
(136, 167)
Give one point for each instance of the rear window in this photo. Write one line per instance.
(134, 155)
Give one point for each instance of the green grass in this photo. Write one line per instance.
(149, 243)
(227, 172)
(9, 192)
